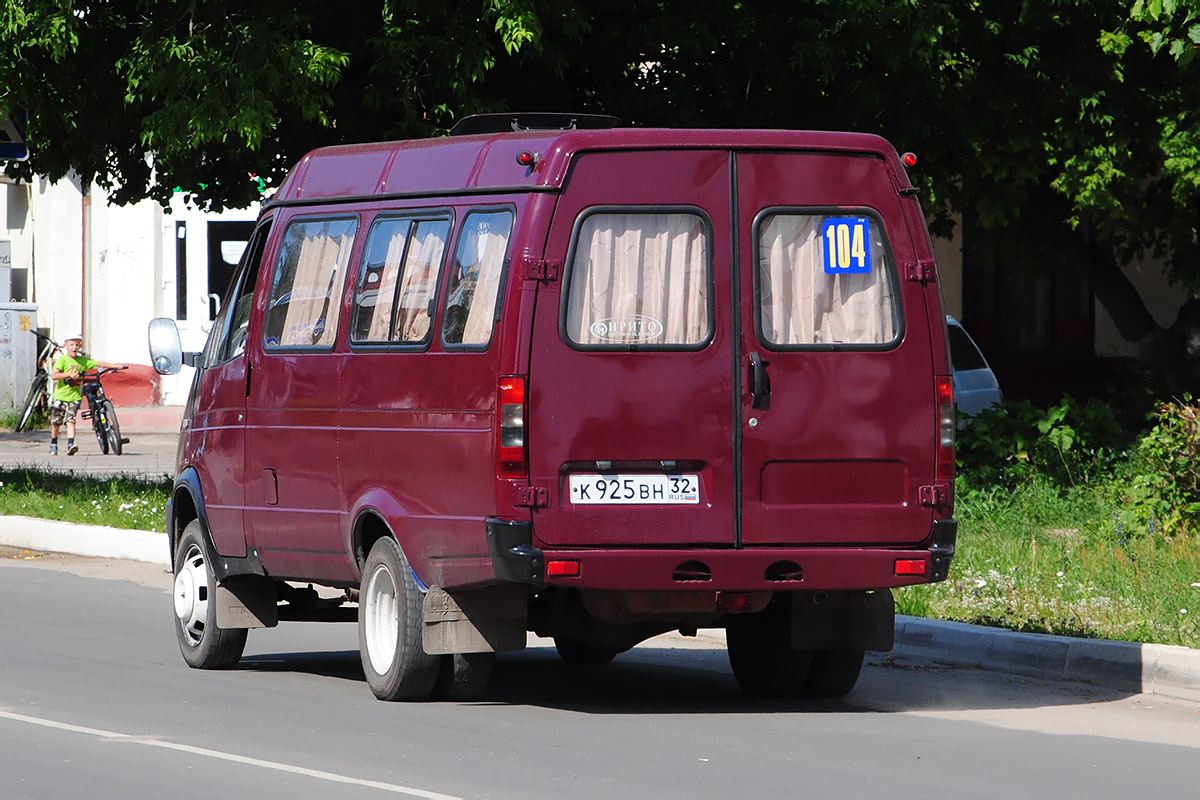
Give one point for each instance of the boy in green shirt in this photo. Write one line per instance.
(67, 395)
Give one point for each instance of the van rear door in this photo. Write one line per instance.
(697, 376)
(838, 430)
(630, 400)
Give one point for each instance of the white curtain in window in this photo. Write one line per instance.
(491, 249)
(317, 271)
(420, 282)
(646, 272)
(381, 318)
(801, 304)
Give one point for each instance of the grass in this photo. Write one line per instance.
(117, 502)
(1043, 560)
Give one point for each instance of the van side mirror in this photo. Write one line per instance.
(166, 351)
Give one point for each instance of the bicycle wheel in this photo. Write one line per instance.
(114, 430)
(100, 427)
(36, 393)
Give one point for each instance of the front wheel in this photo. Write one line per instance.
(577, 651)
(390, 620)
(833, 672)
(33, 398)
(111, 429)
(203, 644)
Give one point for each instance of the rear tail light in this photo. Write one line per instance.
(945, 409)
(511, 459)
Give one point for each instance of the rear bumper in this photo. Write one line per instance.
(514, 558)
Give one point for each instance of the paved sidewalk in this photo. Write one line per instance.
(1148, 668)
(147, 455)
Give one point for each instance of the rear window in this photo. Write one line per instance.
(397, 280)
(306, 284)
(639, 279)
(825, 280)
(964, 355)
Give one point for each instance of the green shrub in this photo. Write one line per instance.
(1068, 443)
(1162, 489)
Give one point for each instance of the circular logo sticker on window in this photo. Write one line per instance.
(626, 330)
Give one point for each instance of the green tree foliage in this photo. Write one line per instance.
(211, 92)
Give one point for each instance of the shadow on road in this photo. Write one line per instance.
(655, 680)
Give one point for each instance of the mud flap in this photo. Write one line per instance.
(247, 601)
(485, 620)
(843, 620)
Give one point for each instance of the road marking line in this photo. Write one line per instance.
(202, 751)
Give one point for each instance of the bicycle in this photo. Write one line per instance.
(101, 412)
(37, 398)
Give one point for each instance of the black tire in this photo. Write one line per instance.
(463, 676)
(112, 429)
(833, 672)
(33, 398)
(203, 644)
(760, 651)
(389, 627)
(576, 651)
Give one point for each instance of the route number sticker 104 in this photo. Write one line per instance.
(847, 245)
(635, 489)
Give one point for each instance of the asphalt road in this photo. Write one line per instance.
(95, 701)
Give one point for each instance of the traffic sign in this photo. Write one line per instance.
(12, 140)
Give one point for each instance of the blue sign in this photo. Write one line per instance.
(846, 243)
(12, 140)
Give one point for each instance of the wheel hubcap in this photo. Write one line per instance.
(381, 619)
(191, 595)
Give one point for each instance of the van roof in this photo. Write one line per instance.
(488, 162)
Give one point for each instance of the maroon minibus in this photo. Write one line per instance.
(598, 383)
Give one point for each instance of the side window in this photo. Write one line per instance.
(228, 339)
(474, 283)
(639, 278)
(398, 280)
(306, 284)
(825, 280)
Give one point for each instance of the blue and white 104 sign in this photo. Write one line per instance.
(847, 245)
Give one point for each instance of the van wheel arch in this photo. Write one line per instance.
(369, 528)
(187, 504)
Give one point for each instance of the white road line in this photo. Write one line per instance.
(201, 751)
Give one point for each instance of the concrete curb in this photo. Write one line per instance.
(1158, 669)
(84, 540)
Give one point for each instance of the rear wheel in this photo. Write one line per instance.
(761, 653)
(389, 627)
(203, 644)
(111, 428)
(833, 672)
(33, 398)
(576, 651)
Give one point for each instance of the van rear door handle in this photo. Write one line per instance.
(760, 383)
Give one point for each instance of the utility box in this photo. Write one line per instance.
(18, 353)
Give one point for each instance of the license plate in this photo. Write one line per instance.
(635, 489)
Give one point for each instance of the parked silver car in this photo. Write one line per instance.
(975, 385)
